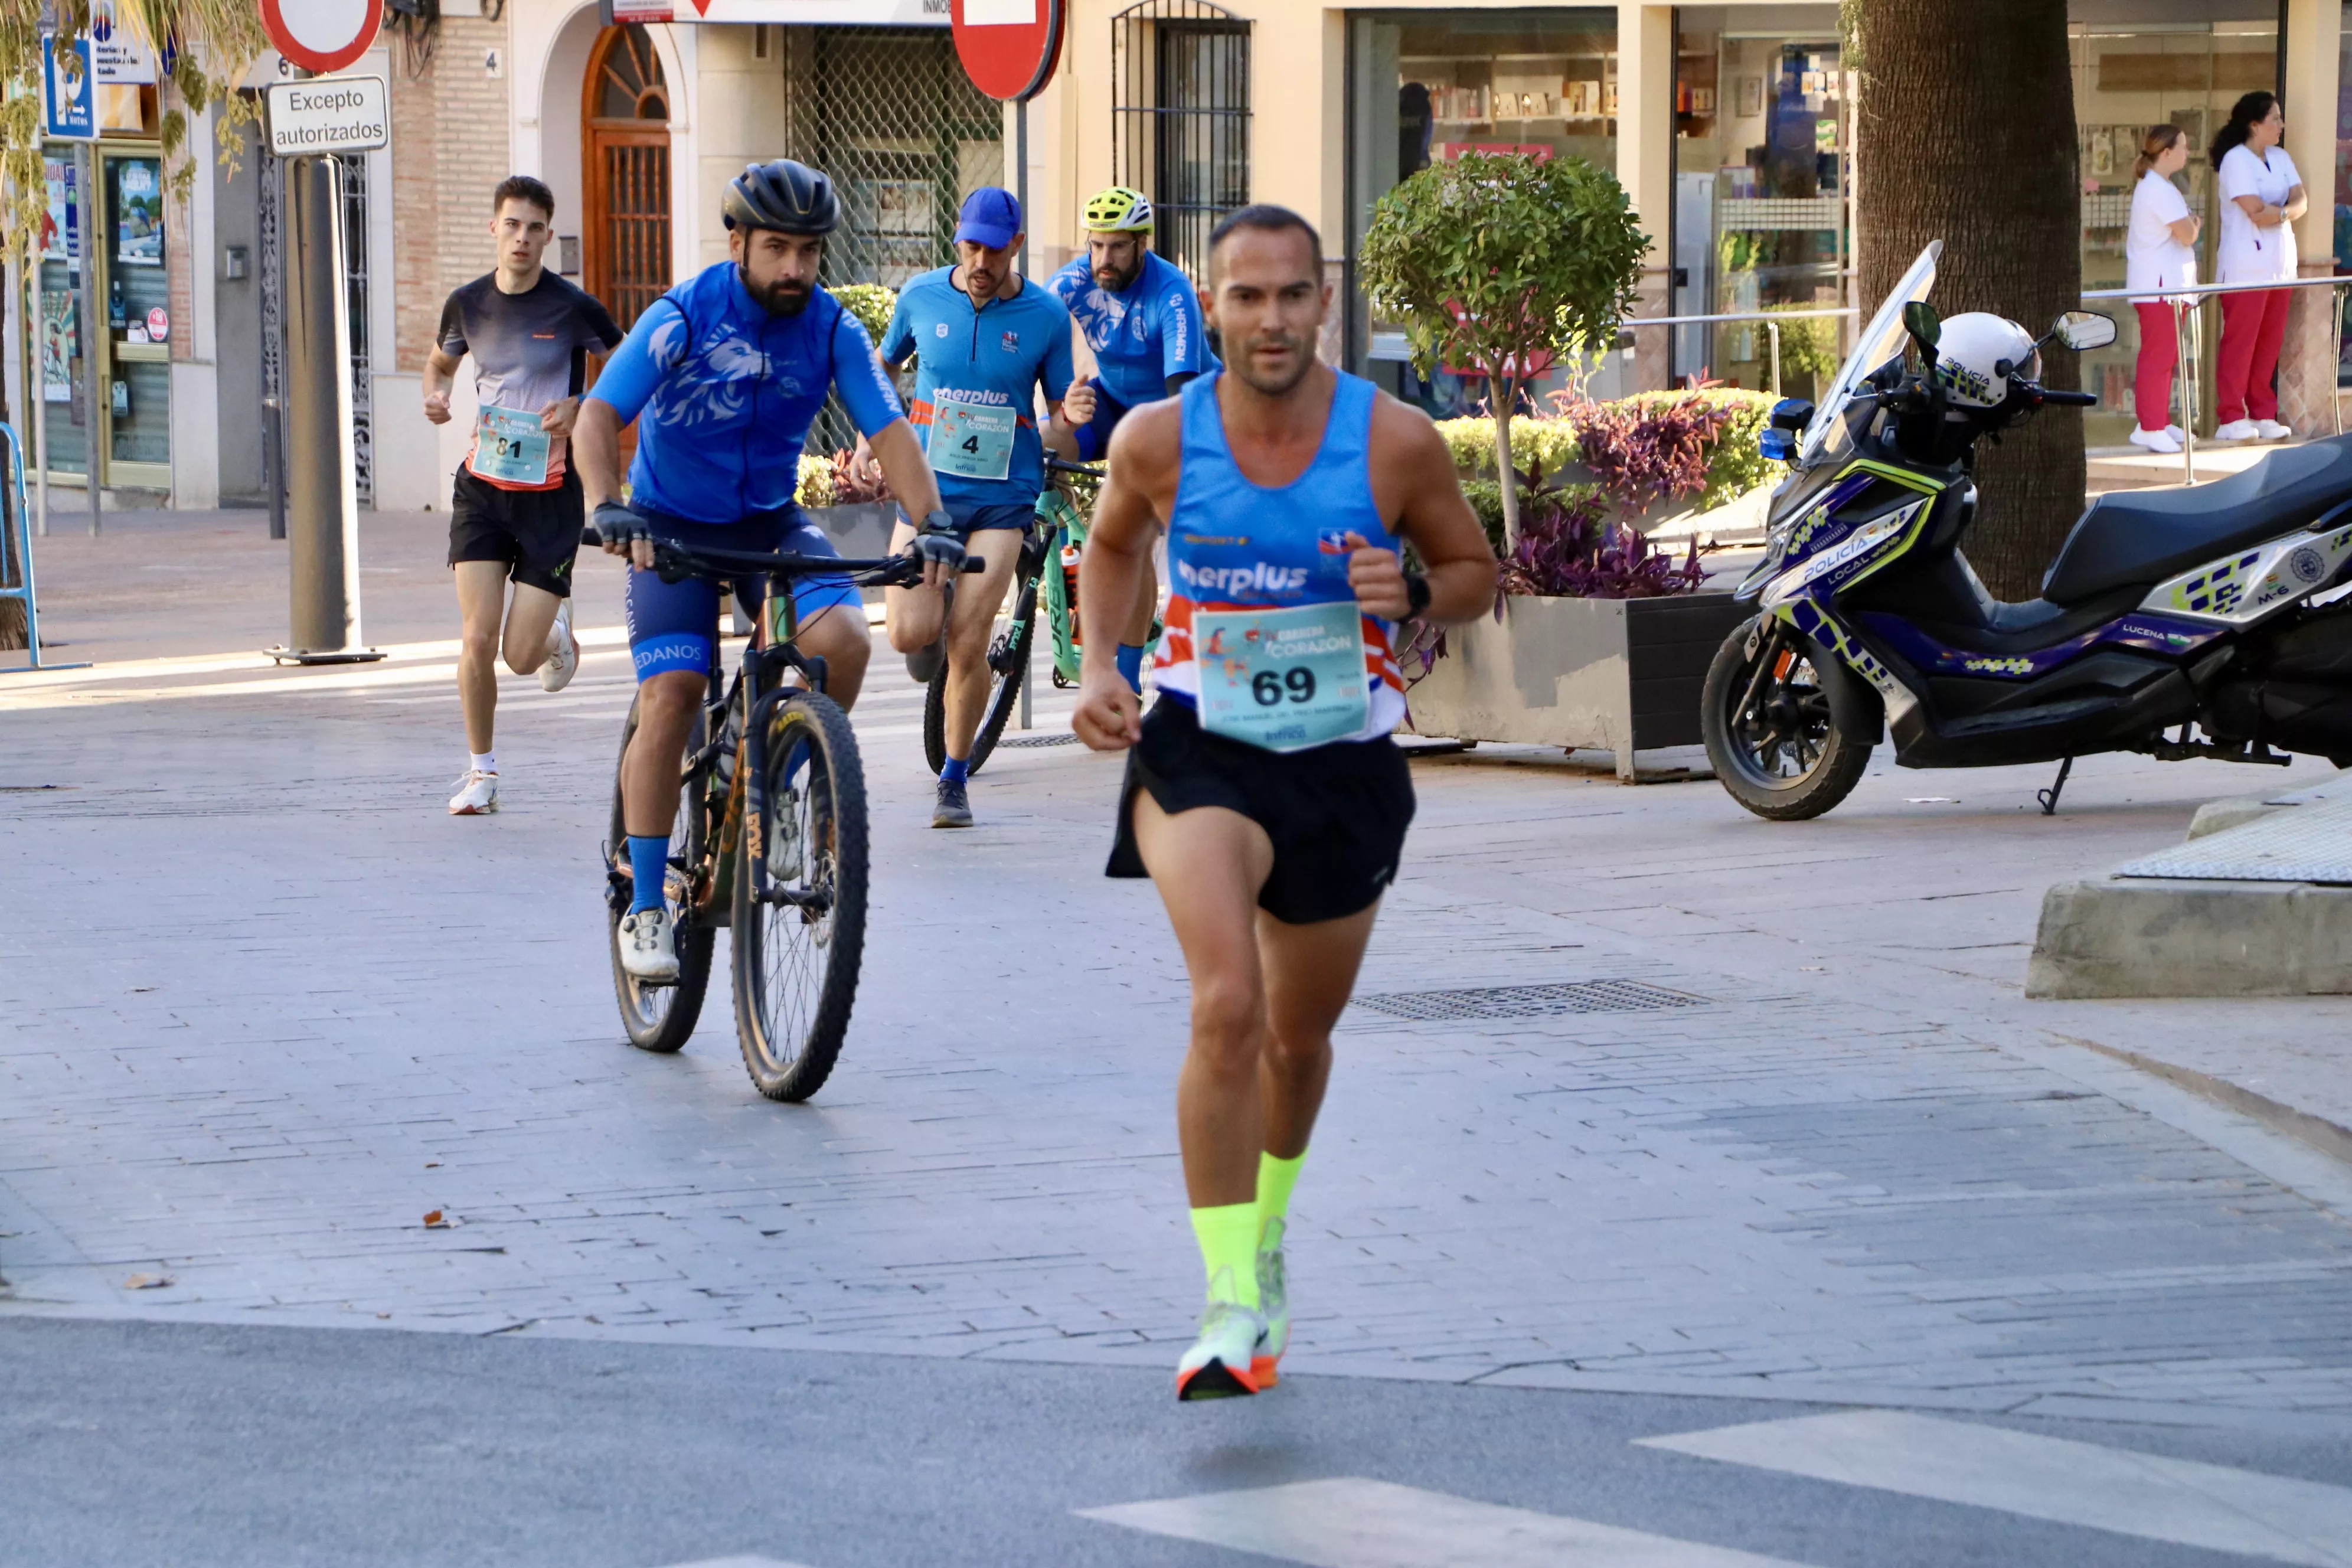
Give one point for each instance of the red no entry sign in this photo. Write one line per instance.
(322, 35)
(1008, 47)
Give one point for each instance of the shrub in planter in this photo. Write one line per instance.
(1568, 548)
(871, 303)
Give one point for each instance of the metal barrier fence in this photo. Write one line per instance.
(1772, 319)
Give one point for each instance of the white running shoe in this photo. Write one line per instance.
(1273, 1306)
(648, 947)
(2239, 430)
(1218, 1365)
(2175, 432)
(2156, 440)
(564, 652)
(477, 794)
(2272, 430)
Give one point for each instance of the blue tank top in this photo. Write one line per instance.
(1233, 544)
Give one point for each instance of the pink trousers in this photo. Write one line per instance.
(2254, 325)
(2159, 356)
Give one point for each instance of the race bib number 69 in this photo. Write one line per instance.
(1282, 679)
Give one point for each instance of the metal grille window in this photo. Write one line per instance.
(273, 284)
(1179, 118)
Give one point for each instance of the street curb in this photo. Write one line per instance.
(2147, 936)
(2329, 1138)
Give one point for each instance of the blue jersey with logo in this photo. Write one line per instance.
(994, 356)
(1143, 335)
(724, 393)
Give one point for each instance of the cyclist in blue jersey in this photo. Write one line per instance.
(986, 343)
(724, 374)
(1142, 320)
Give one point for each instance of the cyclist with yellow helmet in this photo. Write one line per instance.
(1141, 318)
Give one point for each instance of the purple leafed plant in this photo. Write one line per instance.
(1651, 451)
(1568, 548)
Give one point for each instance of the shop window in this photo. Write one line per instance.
(1428, 85)
(1180, 119)
(121, 334)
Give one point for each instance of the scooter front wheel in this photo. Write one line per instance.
(1770, 733)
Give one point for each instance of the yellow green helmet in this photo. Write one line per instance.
(1119, 210)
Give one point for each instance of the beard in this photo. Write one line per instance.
(1116, 281)
(1247, 366)
(784, 296)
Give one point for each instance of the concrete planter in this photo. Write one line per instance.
(860, 532)
(1619, 675)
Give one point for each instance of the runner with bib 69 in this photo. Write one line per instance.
(1264, 796)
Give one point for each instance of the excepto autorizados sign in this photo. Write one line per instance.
(327, 114)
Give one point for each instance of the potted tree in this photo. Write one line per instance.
(1508, 264)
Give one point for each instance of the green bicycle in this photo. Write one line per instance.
(1048, 573)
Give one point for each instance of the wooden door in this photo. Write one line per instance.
(624, 170)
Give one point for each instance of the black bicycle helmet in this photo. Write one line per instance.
(789, 197)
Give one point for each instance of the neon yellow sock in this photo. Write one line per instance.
(1276, 1177)
(1228, 1236)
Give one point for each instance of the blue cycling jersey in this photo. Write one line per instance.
(727, 393)
(990, 360)
(1144, 333)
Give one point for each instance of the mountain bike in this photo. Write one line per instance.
(770, 841)
(1048, 573)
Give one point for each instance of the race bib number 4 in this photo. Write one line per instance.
(510, 447)
(1282, 679)
(972, 441)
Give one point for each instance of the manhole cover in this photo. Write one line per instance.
(1531, 1001)
(1065, 739)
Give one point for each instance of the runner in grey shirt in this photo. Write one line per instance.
(515, 510)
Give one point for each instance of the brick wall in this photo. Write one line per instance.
(449, 151)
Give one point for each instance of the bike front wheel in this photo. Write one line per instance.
(661, 1018)
(1770, 735)
(800, 899)
(1008, 670)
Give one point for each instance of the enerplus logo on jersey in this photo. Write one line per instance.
(1258, 578)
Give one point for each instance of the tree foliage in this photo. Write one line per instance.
(1498, 262)
(201, 48)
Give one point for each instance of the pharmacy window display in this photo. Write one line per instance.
(125, 339)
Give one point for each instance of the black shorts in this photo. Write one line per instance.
(535, 532)
(1336, 814)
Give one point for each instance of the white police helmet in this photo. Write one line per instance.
(1976, 354)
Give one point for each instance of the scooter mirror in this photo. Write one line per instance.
(1925, 327)
(2080, 330)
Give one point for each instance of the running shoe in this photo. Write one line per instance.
(787, 857)
(2272, 430)
(564, 652)
(649, 946)
(2239, 430)
(2159, 441)
(951, 809)
(1218, 1365)
(1273, 1305)
(477, 794)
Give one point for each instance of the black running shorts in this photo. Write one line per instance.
(1336, 814)
(535, 533)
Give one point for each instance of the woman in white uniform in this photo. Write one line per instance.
(2262, 197)
(2159, 252)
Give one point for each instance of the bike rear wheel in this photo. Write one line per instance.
(660, 1017)
(800, 899)
(1008, 670)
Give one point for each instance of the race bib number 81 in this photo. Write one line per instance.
(1282, 679)
(509, 447)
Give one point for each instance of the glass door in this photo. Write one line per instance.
(136, 354)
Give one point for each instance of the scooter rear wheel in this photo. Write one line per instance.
(1768, 730)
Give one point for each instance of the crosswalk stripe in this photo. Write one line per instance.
(2157, 1499)
(1350, 1523)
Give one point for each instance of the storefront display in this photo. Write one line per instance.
(132, 352)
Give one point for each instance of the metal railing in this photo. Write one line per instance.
(1772, 319)
(16, 549)
(2189, 335)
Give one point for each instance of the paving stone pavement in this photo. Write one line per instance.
(265, 1007)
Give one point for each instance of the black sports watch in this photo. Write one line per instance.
(1416, 594)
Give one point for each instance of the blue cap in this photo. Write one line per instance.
(990, 217)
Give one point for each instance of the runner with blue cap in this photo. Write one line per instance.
(986, 343)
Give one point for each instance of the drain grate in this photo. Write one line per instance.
(1065, 739)
(1531, 1001)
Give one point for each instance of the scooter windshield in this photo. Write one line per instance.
(1881, 340)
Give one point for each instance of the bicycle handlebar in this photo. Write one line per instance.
(1054, 465)
(888, 571)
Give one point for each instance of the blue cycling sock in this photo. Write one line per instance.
(1130, 665)
(957, 770)
(648, 863)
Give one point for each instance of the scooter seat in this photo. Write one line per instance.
(2137, 539)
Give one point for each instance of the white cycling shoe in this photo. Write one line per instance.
(564, 652)
(477, 794)
(1218, 1367)
(649, 946)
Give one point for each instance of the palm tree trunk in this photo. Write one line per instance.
(1967, 135)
